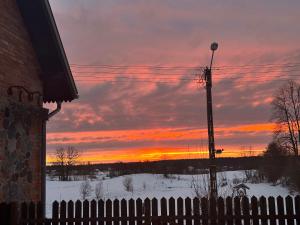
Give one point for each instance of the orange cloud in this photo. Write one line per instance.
(154, 135)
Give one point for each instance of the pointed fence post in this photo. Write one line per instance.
(70, 211)
(55, 213)
(101, 212)
(86, 212)
(108, 216)
(289, 210)
(139, 211)
(163, 208)
(172, 210)
(63, 212)
(221, 212)
(213, 210)
(116, 206)
(272, 210)
(154, 211)
(93, 212)
(188, 211)
(78, 213)
(180, 210)
(246, 210)
(196, 210)
(263, 210)
(131, 212)
(123, 212)
(237, 210)
(280, 210)
(204, 210)
(229, 211)
(254, 209)
(147, 206)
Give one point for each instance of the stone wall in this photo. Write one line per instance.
(21, 114)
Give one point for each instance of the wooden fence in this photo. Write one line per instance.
(237, 211)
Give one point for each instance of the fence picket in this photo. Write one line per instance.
(131, 212)
(55, 207)
(78, 208)
(220, 207)
(237, 210)
(123, 211)
(70, 211)
(172, 210)
(297, 209)
(229, 211)
(213, 211)
(163, 210)
(180, 210)
(280, 210)
(154, 208)
(86, 211)
(108, 211)
(62, 211)
(289, 210)
(272, 212)
(245, 209)
(188, 211)
(196, 211)
(204, 210)
(139, 211)
(93, 212)
(147, 206)
(116, 209)
(100, 212)
(254, 209)
(263, 210)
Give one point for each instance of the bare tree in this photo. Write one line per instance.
(128, 184)
(72, 156)
(286, 115)
(66, 157)
(85, 189)
(60, 156)
(99, 190)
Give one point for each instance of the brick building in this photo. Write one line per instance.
(33, 70)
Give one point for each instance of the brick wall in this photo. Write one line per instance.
(21, 118)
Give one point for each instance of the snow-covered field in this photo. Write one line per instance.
(152, 185)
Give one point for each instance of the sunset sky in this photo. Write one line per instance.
(135, 63)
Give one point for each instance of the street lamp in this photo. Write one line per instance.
(210, 125)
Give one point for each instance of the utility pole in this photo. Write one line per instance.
(210, 125)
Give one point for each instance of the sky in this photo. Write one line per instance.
(137, 65)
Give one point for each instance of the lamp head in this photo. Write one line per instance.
(214, 46)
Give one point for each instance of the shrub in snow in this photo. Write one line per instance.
(99, 190)
(236, 180)
(85, 189)
(144, 186)
(222, 179)
(199, 184)
(128, 184)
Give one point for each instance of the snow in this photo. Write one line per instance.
(151, 186)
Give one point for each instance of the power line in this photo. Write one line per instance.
(181, 66)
